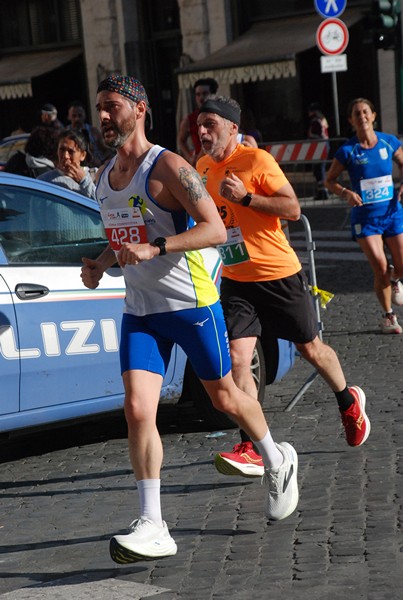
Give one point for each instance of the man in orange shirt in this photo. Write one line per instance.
(263, 285)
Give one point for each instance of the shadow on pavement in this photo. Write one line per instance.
(30, 442)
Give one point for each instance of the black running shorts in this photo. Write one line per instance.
(283, 307)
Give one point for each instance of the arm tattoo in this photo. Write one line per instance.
(193, 184)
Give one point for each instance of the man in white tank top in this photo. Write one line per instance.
(158, 214)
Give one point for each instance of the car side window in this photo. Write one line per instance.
(41, 228)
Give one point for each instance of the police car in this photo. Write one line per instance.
(59, 340)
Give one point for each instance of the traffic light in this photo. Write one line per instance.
(385, 20)
(387, 12)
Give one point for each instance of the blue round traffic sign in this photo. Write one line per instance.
(330, 8)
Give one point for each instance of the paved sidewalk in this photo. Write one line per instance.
(64, 493)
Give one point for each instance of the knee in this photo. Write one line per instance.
(240, 364)
(314, 351)
(224, 397)
(241, 356)
(382, 273)
(223, 402)
(135, 411)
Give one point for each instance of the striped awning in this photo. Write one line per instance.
(18, 70)
(268, 50)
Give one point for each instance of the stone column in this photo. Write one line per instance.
(103, 36)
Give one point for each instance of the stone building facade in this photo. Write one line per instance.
(263, 53)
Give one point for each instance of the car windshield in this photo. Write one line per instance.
(10, 147)
(41, 228)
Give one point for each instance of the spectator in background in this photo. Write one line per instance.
(97, 151)
(248, 126)
(318, 130)
(70, 172)
(246, 140)
(40, 153)
(49, 117)
(188, 137)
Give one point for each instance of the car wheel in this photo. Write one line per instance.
(192, 388)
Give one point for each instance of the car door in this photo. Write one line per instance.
(9, 368)
(63, 338)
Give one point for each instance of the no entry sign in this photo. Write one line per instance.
(332, 36)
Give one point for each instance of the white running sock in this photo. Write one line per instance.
(150, 499)
(271, 455)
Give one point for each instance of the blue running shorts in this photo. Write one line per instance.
(387, 225)
(147, 341)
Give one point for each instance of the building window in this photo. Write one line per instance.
(38, 23)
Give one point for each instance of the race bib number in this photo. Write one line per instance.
(378, 189)
(234, 250)
(124, 226)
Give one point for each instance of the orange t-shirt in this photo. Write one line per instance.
(257, 248)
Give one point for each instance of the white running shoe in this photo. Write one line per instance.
(389, 324)
(397, 292)
(282, 493)
(145, 541)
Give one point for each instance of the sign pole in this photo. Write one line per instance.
(336, 104)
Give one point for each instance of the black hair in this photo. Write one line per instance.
(209, 81)
(76, 104)
(42, 142)
(78, 137)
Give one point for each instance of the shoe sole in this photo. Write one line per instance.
(397, 330)
(123, 556)
(294, 505)
(227, 467)
(362, 401)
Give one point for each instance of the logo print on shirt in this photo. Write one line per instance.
(137, 201)
(383, 153)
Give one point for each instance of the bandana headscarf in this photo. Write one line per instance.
(125, 86)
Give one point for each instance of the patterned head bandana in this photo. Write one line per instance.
(125, 86)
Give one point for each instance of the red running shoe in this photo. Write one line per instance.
(243, 461)
(355, 421)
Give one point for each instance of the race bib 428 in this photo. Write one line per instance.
(124, 226)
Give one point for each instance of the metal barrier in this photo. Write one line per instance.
(297, 158)
(310, 249)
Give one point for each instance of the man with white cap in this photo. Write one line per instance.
(49, 117)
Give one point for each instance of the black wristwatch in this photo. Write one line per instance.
(246, 200)
(161, 243)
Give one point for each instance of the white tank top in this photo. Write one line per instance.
(173, 282)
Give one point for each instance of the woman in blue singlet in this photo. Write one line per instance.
(376, 214)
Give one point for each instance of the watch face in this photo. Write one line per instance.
(161, 243)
